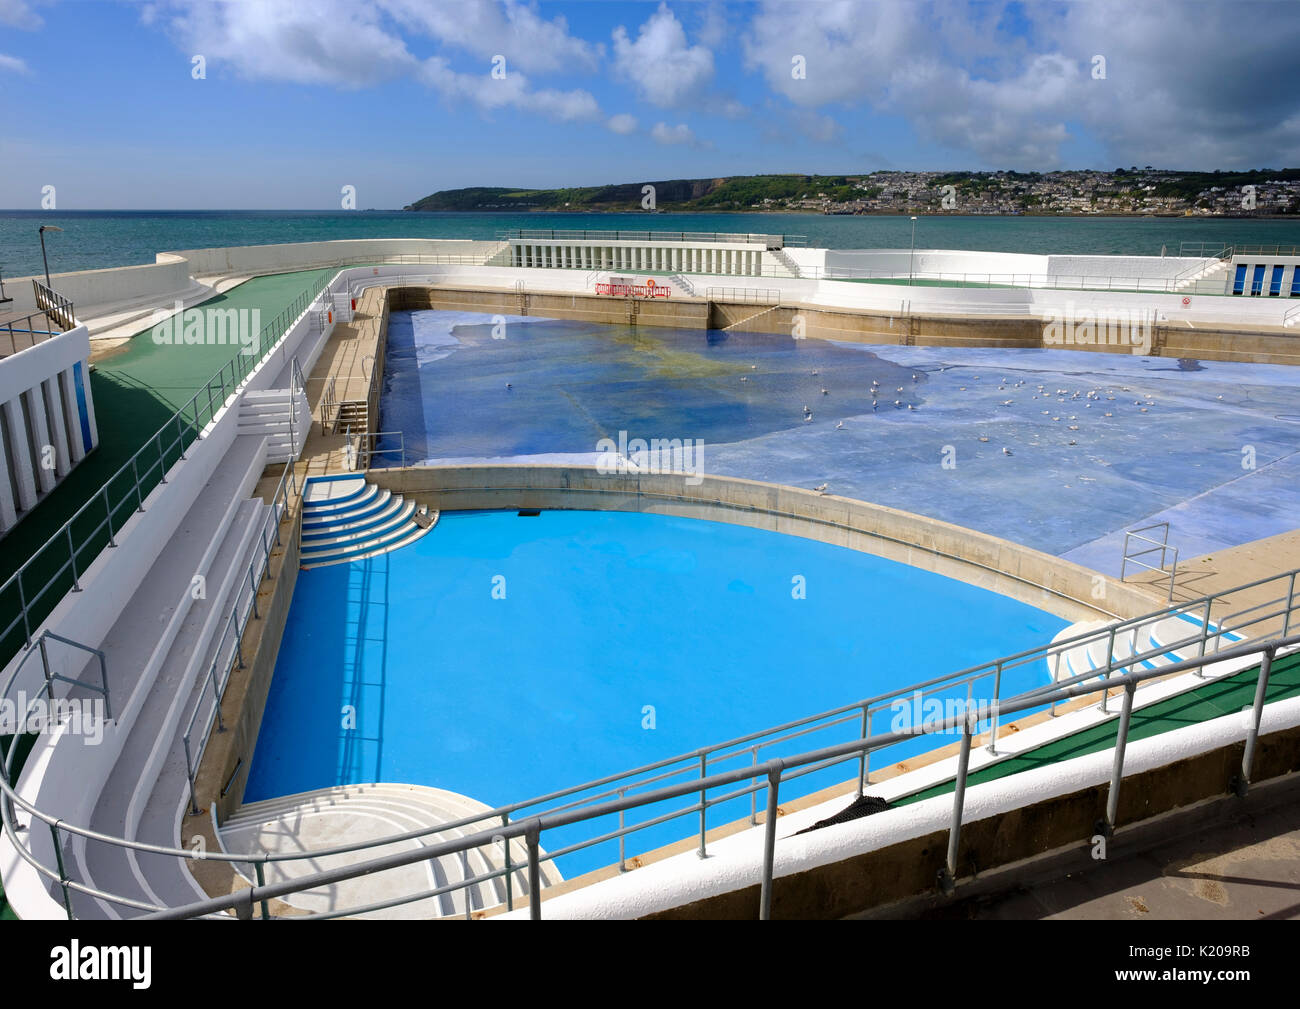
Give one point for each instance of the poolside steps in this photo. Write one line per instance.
(345, 518)
(1210, 279)
(284, 421)
(1166, 640)
(161, 649)
(331, 817)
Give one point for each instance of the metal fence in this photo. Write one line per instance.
(735, 238)
(56, 567)
(758, 762)
(229, 653)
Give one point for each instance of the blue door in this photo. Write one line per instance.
(1275, 281)
(1257, 280)
(1239, 281)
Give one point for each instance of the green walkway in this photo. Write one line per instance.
(1220, 697)
(135, 392)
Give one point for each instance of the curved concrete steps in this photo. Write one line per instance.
(330, 817)
(346, 519)
(1166, 641)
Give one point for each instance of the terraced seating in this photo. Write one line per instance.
(344, 518)
(331, 817)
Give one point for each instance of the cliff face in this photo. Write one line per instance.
(624, 196)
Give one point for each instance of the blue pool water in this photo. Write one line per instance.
(604, 615)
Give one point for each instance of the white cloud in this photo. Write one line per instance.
(1010, 98)
(327, 42)
(511, 91)
(679, 134)
(12, 63)
(622, 123)
(19, 14)
(661, 64)
(342, 44)
(486, 29)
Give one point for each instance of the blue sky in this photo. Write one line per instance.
(397, 97)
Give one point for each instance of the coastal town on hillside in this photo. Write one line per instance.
(1121, 192)
(1131, 191)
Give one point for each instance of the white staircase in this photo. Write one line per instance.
(284, 421)
(682, 284)
(1164, 641)
(331, 817)
(162, 648)
(344, 518)
(783, 265)
(1209, 279)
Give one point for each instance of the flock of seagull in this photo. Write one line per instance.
(1097, 394)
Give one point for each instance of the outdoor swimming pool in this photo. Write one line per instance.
(505, 656)
(1212, 447)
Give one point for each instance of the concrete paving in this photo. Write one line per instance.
(1246, 868)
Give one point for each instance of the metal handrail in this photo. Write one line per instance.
(1033, 698)
(757, 295)
(138, 478)
(775, 771)
(258, 568)
(55, 306)
(1160, 546)
(549, 235)
(365, 451)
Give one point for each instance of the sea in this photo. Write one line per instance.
(94, 239)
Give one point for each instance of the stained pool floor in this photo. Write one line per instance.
(503, 657)
(1211, 447)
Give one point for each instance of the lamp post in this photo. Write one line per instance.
(912, 255)
(50, 227)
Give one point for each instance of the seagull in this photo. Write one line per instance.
(839, 426)
(807, 418)
(898, 402)
(915, 377)
(821, 488)
(814, 371)
(509, 386)
(744, 378)
(899, 389)
(1074, 427)
(1005, 450)
(874, 404)
(1006, 402)
(825, 393)
(1073, 442)
(910, 406)
(984, 438)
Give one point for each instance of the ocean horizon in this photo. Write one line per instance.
(98, 239)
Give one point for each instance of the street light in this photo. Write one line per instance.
(50, 227)
(912, 256)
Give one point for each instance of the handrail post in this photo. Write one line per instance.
(1107, 826)
(72, 556)
(997, 716)
(510, 875)
(704, 806)
(63, 872)
(1252, 731)
(948, 874)
(532, 836)
(863, 773)
(260, 872)
(108, 517)
(622, 853)
(769, 846)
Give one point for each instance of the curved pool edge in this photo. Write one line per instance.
(1061, 587)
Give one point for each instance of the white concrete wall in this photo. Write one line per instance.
(117, 285)
(42, 379)
(303, 255)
